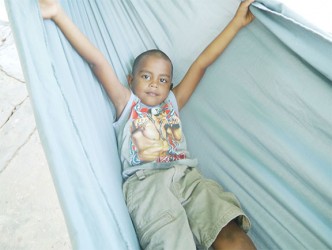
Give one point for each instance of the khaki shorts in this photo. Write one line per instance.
(177, 208)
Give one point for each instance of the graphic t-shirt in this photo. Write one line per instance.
(151, 137)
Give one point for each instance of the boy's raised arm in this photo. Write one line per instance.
(119, 94)
(186, 87)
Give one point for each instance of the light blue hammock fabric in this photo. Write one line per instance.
(260, 122)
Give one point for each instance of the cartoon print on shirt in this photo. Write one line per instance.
(155, 134)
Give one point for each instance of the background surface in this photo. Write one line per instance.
(30, 214)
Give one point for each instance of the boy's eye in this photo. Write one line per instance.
(163, 80)
(146, 77)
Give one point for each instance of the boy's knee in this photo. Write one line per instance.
(234, 238)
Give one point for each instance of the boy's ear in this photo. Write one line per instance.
(130, 80)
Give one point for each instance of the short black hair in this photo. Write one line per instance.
(152, 52)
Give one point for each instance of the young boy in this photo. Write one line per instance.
(172, 206)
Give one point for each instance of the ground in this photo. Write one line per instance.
(30, 213)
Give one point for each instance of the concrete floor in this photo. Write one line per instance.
(30, 214)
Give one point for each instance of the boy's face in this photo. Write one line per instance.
(152, 80)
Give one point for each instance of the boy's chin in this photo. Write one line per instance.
(152, 101)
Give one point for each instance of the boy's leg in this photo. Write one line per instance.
(210, 209)
(159, 218)
(232, 237)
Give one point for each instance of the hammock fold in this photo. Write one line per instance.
(260, 122)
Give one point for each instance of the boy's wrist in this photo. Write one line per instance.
(235, 24)
(59, 15)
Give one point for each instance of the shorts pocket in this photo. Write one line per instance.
(153, 227)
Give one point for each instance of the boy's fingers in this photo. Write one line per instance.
(247, 2)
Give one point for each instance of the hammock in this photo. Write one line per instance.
(260, 122)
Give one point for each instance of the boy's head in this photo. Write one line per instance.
(151, 78)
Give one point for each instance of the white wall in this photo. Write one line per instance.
(3, 13)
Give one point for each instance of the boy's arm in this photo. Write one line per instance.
(186, 87)
(118, 93)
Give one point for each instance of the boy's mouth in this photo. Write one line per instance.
(151, 94)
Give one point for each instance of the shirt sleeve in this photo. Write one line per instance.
(172, 99)
(125, 113)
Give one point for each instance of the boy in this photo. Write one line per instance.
(172, 206)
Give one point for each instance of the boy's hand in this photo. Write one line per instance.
(49, 8)
(243, 15)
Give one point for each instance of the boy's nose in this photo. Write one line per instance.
(154, 83)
